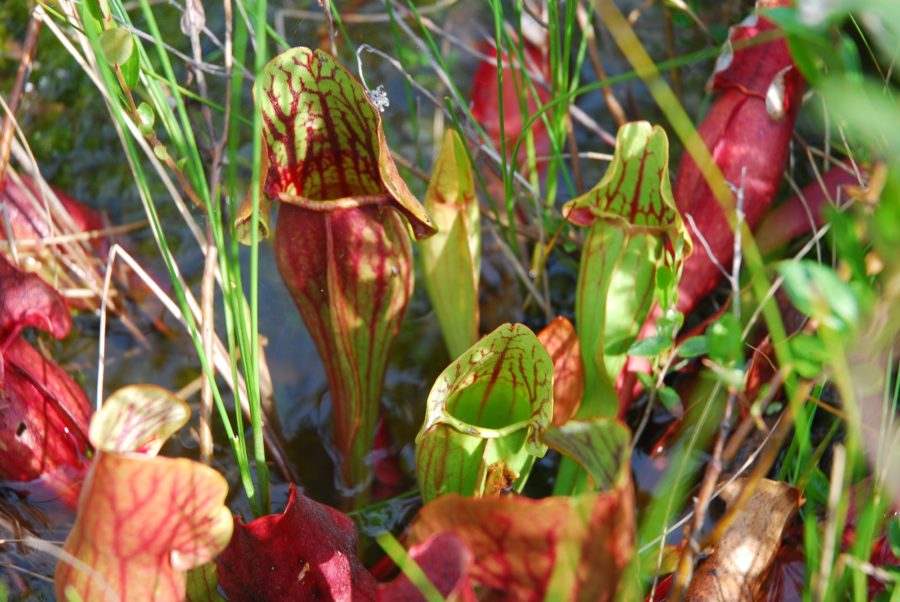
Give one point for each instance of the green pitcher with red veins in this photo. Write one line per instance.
(485, 416)
(341, 243)
(634, 231)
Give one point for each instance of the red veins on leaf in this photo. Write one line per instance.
(486, 99)
(518, 542)
(341, 245)
(747, 130)
(44, 414)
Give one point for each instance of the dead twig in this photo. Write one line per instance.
(713, 470)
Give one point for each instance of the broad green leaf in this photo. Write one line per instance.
(325, 141)
(810, 354)
(694, 347)
(143, 521)
(724, 340)
(147, 116)
(669, 398)
(451, 259)
(602, 446)
(202, 584)
(632, 219)
(131, 69)
(650, 346)
(117, 45)
(817, 291)
(486, 413)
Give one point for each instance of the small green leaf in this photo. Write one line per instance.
(161, 152)
(669, 323)
(724, 340)
(99, 9)
(774, 408)
(147, 117)
(694, 347)
(817, 291)
(893, 529)
(665, 278)
(651, 346)
(809, 354)
(117, 45)
(669, 398)
(131, 70)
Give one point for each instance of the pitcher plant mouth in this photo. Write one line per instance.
(325, 139)
(485, 415)
(635, 232)
(347, 202)
(478, 431)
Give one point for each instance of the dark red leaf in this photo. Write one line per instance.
(28, 221)
(388, 476)
(800, 214)
(306, 553)
(747, 134)
(26, 301)
(486, 100)
(446, 561)
(43, 422)
(787, 577)
(43, 413)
